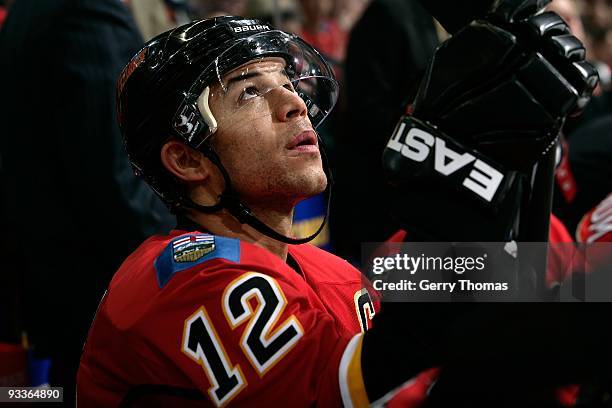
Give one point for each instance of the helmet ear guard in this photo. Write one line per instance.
(206, 113)
(194, 121)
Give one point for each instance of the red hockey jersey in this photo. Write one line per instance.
(209, 320)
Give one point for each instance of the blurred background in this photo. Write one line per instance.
(71, 209)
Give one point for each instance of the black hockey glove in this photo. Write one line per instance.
(488, 111)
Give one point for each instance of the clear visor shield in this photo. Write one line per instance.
(270, 73)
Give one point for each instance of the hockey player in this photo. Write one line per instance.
(219, 116)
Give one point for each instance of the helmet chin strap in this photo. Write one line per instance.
(230, 201)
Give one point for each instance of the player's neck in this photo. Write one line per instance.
(224, 224)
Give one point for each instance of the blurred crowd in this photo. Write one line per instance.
(327, 23)
(378, 49)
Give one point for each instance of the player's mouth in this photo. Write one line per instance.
(304, 142)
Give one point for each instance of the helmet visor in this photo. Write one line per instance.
(254, 74)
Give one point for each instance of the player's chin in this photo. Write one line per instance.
(316, 181)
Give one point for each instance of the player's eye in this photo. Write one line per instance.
(289, 86)
(249, 93)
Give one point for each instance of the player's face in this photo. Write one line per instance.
(264, 136)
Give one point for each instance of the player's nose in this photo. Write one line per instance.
(289, 104)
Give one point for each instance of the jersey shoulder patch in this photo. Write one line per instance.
(186, 251)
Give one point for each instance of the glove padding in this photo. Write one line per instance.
(500, 88)
(506, 87)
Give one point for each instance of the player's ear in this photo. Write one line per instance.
(184, 162)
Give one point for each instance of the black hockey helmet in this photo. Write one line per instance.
(163, 93)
